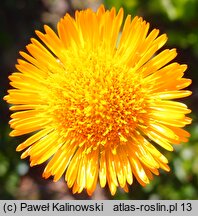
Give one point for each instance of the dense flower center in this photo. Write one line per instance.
(96, 98)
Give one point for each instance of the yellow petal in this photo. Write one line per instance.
(102, 170)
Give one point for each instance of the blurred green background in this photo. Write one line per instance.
(19, 19)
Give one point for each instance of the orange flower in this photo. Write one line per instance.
(99, 101)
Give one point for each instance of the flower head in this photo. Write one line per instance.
(99, 101)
